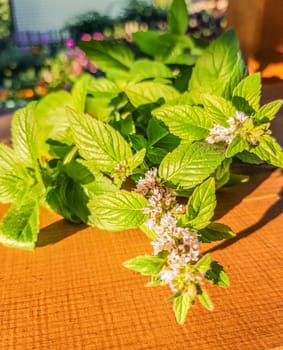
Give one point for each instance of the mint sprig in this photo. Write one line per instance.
(168, 119)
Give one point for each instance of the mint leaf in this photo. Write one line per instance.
(138, 142)
(182, 305)
(24, 135)
(203, 264)
(215, 232)
(204, 299)
(77, 171)
(136, 159)
(101, 185)
(146, 265)
(218, 108)
(20, 226)
(187, 122)
(149, 92)
(201, 205)
(117, 211)
(268, 150)
(216, 275)
(155, 131)
(52, 119)
(14, 177)
(98, 142)
(250, 158)
(240, 70)
(178, 17)
(149, 42)
(145, 69)
(246, 95)
(188, 165)
(213, 70)
(268, 111)
(108, 55)
(150, 233)
(156, 154)
(102, 87)
(68, 198)
(80, 91)
(222, 173)
(237, 145)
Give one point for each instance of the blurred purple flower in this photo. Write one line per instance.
(97, 36)
(69, 42)
(85, 37)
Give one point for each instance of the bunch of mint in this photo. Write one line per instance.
(165, 122)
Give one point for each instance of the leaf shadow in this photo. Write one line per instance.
(57, 231)
(270, 214)
(230, 196)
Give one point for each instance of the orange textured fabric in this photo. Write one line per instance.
(73, 293)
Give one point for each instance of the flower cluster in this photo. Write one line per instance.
(180, 245)
(220, 133)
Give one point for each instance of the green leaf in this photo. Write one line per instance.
(205, 300)
(68, 198)
(237, 145)
(98, 142)
(215, 232)
(268, 111)
(168, 143)
(182, 305)
(240, 70)
(99, 107)
(58, 149)
(218, 108)
(101, 185)
(216, 275)
(155, 131)
(14, 177)
(145, 69)
(125, 125)
(201, 205)
(77, 171)
(188, 165)
(187, 122)
(246, 95)
(155, 282)
(102, 87)
(79, 92)
(167, 47)
(203, 264)
(214, 69)
(222, 173)
(108, 55)
(156, 154)
(268, 150)
(24, 135)
(20, 226)
(148, 42)
(150, 233)
(146, 265)
(117, 211)
(250, 158)
(149, 92)
(178, 17)
(136, 159)
(51, 117)
(138, 142)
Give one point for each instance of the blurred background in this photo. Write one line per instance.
(38, 38)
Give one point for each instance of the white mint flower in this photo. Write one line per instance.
(180, 243)
(219, 133)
